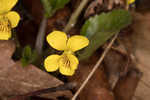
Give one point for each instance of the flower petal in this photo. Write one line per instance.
(5, 29)
(73, 61)
(68, 64)
(51, 63)
(7, 5)
(66, 71)
(13, 18)
(130, 1)
(77, 42)
(57, 40)
(5, 35)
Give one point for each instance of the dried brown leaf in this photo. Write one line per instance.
(137, 42)
(96, 6)
(116, 65)
(126, 86)
(97, 88)
(17, 80)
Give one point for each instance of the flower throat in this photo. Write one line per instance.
(5, 25)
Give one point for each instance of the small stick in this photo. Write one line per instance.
(63, 87)
(95, 67)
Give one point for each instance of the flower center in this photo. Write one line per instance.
(5, 25)
(68, 52)
(64, 61)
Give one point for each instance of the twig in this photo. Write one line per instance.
(63, 87)
(40, 37)
(73, 19)
(94, 68)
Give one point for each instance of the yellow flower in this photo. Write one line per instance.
(67, 63)
(8, 19)
(130, 1)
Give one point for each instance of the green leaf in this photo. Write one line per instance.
(102, 27)
(28, 56)
(51, 6)
(34, 56)
(24, 62)
(47, 7)
(27, 52)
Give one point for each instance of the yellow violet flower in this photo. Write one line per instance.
(8, 19)
(67, 63)
(130, 1)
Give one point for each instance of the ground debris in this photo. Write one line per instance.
(98, 87)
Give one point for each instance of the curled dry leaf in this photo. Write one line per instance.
(116, 65)
(99, 5)
(17, 80)
(112, 3)
(92, 7)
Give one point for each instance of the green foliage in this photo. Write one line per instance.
(102, 27)
(28, 56)
(51, 6)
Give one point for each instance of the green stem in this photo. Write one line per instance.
(75, 15)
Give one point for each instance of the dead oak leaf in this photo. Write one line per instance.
(16, 80)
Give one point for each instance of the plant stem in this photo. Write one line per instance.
(75, 15)
(94, 68)
(40, 37)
